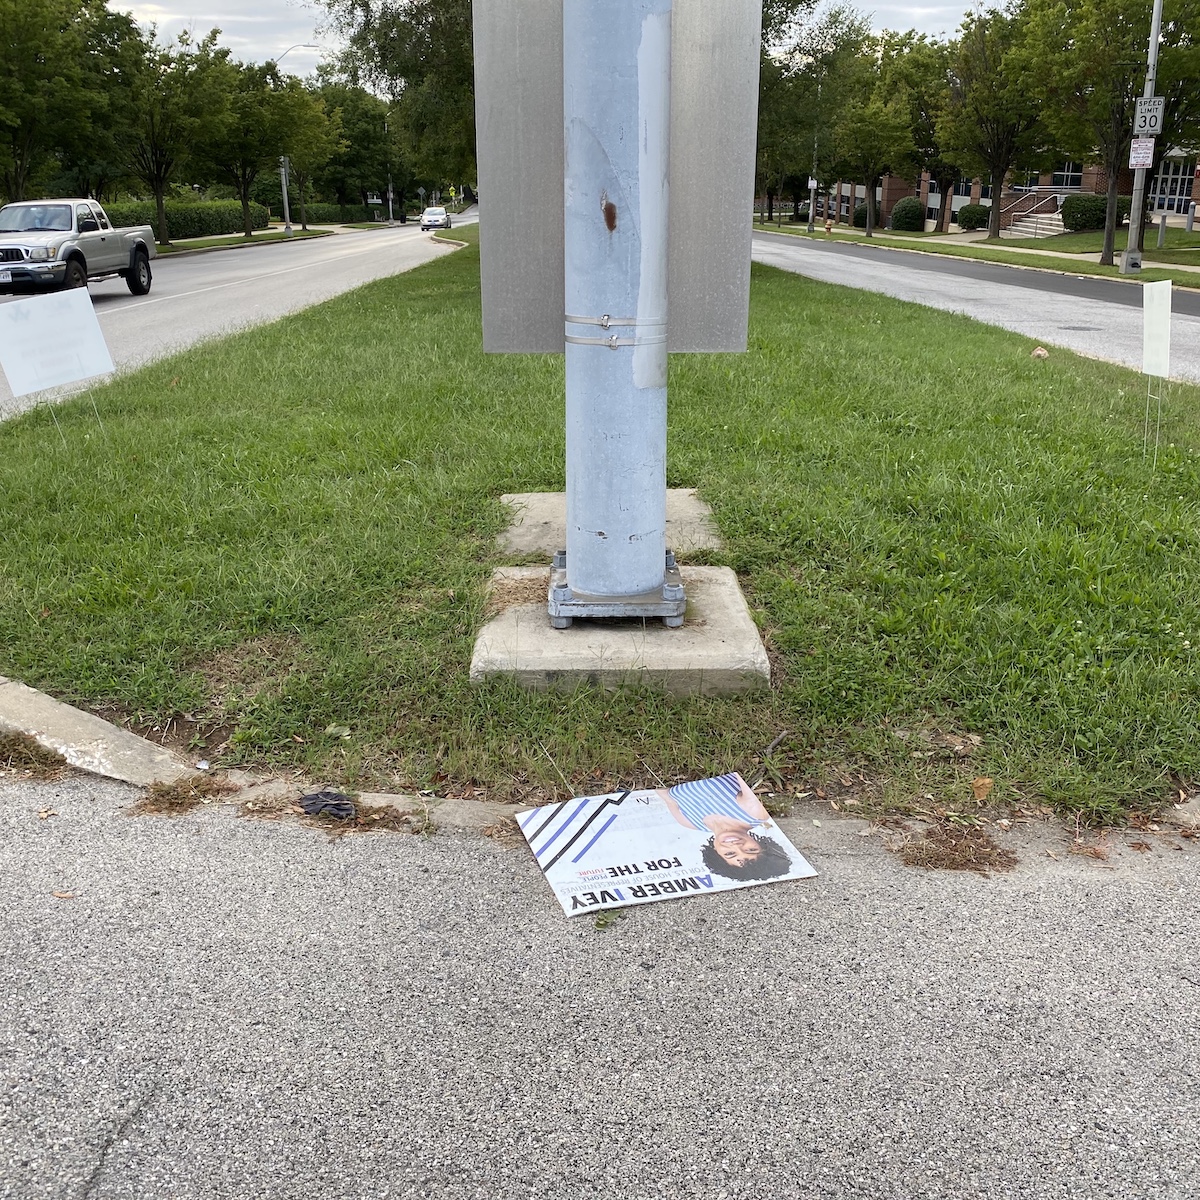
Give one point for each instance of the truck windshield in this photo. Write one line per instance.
(32, 218)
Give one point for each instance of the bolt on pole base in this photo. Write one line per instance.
(667, 602)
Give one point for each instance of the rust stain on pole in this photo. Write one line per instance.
(610, 212)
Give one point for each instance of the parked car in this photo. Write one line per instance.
(435, 218)
(47, 244)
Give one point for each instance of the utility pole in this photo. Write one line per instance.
(1131, 260)
(617, 78)
(812, 179)
(388, 140)
(283, 179)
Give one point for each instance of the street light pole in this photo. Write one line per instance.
(388, 140)
(283, 179)
(812, 181)
(1131, 260)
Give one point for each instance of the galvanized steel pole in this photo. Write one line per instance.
(616, 75)
(1131, 260)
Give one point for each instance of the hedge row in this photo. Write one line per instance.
(1082, 211)
(207, 218)
(341, 214)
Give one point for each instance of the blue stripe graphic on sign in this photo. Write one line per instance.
(559, 831)
(595, 839)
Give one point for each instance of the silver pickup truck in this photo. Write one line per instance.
(47, 244)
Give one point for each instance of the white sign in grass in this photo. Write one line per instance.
(1156, 328)
(47, 341)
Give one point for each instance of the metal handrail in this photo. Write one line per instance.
(1029, 211)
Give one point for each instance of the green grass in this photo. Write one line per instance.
(240, 239)
(290, 533)
(992, 252)
(1092, 242)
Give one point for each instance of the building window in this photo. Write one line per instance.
(963, 187)
(1070, 174)
(1025, 179)
(933, 187)
(985, 190)
(1171, 188)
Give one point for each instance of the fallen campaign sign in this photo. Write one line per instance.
(710, 835)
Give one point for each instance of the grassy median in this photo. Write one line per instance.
(283, 541)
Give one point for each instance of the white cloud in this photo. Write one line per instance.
(256, 30)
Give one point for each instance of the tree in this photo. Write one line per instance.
(43, 100)
(359, 163)
(993, 117)
(251, 132)
(314, 137)
(872, 136)
(1083, 59)
(89, 149)
(920, 69)
(420, 52)
(177, 91)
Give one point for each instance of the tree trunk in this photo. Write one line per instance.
(301, 180)
(163, 232)
(1110, 218)
(869, 188)
(245, 198)
(998, 173)
(770, 205)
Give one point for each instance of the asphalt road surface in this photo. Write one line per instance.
(227, 1009)
(196, 297)
(1101, 318)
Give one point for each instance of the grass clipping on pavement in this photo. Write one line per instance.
(288, 536)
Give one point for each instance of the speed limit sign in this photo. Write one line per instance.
(1149, 119)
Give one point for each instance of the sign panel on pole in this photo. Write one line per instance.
(1141, 153)
(1149, 120)
(519, 126)
(1156, 328)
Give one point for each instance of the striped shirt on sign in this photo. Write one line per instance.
(711, 797)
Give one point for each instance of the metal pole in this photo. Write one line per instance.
(616, 83)
(1131, 260)
(812, 182)
(283, 179)
(387, 139)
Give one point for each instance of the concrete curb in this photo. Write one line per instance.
(98, 747)
(85, 741)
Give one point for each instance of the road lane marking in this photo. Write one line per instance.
(216, 287)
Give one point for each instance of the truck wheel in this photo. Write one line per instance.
(139, 277)
(76, 276)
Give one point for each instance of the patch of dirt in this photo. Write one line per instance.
(944, 846)
(937, 743)
(25, 757)
(506, 832)
(506, 593)
(182, 796)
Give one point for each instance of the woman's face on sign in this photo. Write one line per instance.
(737, 849)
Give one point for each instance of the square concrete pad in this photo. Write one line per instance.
(718, 650)
(540, 524)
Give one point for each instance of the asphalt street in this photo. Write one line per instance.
(226, 1009)
(1091, 315)
(197, 297)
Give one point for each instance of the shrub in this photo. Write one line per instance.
(341, 214)
(973, 216)
(208, 218)
(909, 215)
(1082, 211)
(860, 217)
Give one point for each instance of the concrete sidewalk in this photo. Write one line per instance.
(214, 1006)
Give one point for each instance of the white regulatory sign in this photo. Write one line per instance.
(1149, 119)
(1141, 152)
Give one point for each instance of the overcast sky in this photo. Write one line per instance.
(256, 30)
